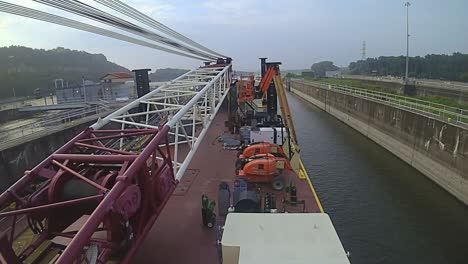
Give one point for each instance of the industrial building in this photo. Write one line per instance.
(112, 86)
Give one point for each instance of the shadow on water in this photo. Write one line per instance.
(384, 210)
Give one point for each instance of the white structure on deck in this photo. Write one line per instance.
(281, 238)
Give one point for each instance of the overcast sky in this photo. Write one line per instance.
(296, 32)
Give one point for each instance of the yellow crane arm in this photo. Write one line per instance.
(294, 157)
(284, 106)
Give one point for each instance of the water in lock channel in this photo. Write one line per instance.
(384, 210)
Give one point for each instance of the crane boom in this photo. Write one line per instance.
(284, 107)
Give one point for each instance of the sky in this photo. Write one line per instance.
(296, 32)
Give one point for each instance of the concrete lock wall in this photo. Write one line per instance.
(14, 161)
(437, 149)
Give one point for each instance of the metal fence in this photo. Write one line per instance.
(96, 91)
(55, 121)
(446, 85)
(443, 112)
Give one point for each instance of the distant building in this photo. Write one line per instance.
(117, 86)
(88, 91)
(112, 86)
(117, 77)
(333, 74)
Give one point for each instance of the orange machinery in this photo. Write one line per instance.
(246, 89)
(261, 148)
(263, 168)
(267, 79)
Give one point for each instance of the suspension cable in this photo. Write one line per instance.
(143, 18)
(95, 14)
(43, 16)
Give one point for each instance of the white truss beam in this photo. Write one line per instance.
(187, 105)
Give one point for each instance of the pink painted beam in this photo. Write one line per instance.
(117, 136)
(111, 159)
(104, 149)
(72, 251)
(125, 131)
(39, 208)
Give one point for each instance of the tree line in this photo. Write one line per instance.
(433, 66)
(23, 69)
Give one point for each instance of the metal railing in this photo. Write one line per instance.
(443, 112)
(52, 122)
(447, 85)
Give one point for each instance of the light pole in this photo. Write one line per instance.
(407, 4)
(12, 57)
(84, 89)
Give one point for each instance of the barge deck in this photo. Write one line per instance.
(178, 235)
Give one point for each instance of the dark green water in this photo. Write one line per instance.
(383, 210)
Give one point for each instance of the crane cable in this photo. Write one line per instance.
(43, 16)
(95, 14)
(147, 20)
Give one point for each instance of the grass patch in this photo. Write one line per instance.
(443, 100)
(365, 84)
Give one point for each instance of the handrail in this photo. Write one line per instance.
(17, 134)
(445, 112)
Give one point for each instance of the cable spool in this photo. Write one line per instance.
(75, 188)
(249, 202)
(240, 185)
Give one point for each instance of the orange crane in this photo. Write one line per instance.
(273, 74)
(290, 147)
(267, 79)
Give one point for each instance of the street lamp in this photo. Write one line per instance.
(12, 57)
(407, 4)
(84, 88)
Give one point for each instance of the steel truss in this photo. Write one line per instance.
(117, 175)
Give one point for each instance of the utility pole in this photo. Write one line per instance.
(11, 58)
(84, 89)
(363, 50)
(407, 4)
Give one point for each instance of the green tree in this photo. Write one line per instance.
(321, 67)
(290, 75)
(432, 66)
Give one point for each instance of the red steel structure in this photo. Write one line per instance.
(117, 175)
